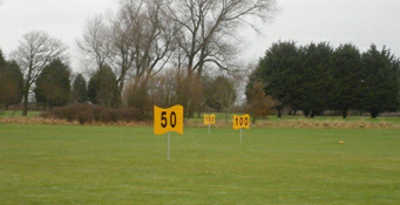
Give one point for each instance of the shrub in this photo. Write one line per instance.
(86, 113)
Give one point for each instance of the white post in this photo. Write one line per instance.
(241, 136)
(169, 147)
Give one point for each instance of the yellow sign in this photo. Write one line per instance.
(209, 119)
(241, 122)
(168, 120)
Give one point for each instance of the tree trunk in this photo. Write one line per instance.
(344, 114)
(306, 113)
(374, 115)
(254, 119)
(279, 112)
(25, 109)
(191, 112)
(26, 89)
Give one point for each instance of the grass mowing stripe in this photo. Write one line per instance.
(105, 165)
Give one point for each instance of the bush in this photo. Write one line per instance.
(86, 113)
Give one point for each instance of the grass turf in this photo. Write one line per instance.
(10, 114)
(106, 165)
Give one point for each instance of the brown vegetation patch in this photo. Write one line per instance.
(89, 114)
(52, 121)
(325, 124)
(305, 124)
(221, 124)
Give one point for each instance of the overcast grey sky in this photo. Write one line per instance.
(361, 22)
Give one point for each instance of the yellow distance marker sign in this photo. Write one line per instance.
(168, 120)
(241, 122)
(209, 119)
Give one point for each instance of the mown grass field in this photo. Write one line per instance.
(395, 120)
(110, 165)
(10, 114)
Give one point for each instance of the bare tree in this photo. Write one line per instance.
(143, 40)
(36, 50)
(96, 42)
(207, 28)
(136, 42)
(123, 53)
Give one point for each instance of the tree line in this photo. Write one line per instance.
(317, 77)
(145, 42)
(55, 86)
(11, 82)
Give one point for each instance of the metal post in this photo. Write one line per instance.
(169, 147)
(241, 136)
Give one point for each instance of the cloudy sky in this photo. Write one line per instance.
(360, 22)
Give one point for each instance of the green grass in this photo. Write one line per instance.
(105, 165)
(339, 118)
(8, 114)
(396, 120)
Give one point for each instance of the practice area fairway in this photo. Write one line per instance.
(110, 165)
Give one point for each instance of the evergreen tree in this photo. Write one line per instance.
(314, 83)
(103, 89)
(2, 60)
(315, 78)
(281, 71)
(11, 83)
(346, 71)
(398, 95)
(379, 81)
(53, 87)
(79, 89)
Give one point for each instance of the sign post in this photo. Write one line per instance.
(169, 147)
(241, 138)
(167, 121)
(209, 120)
(241, 122)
